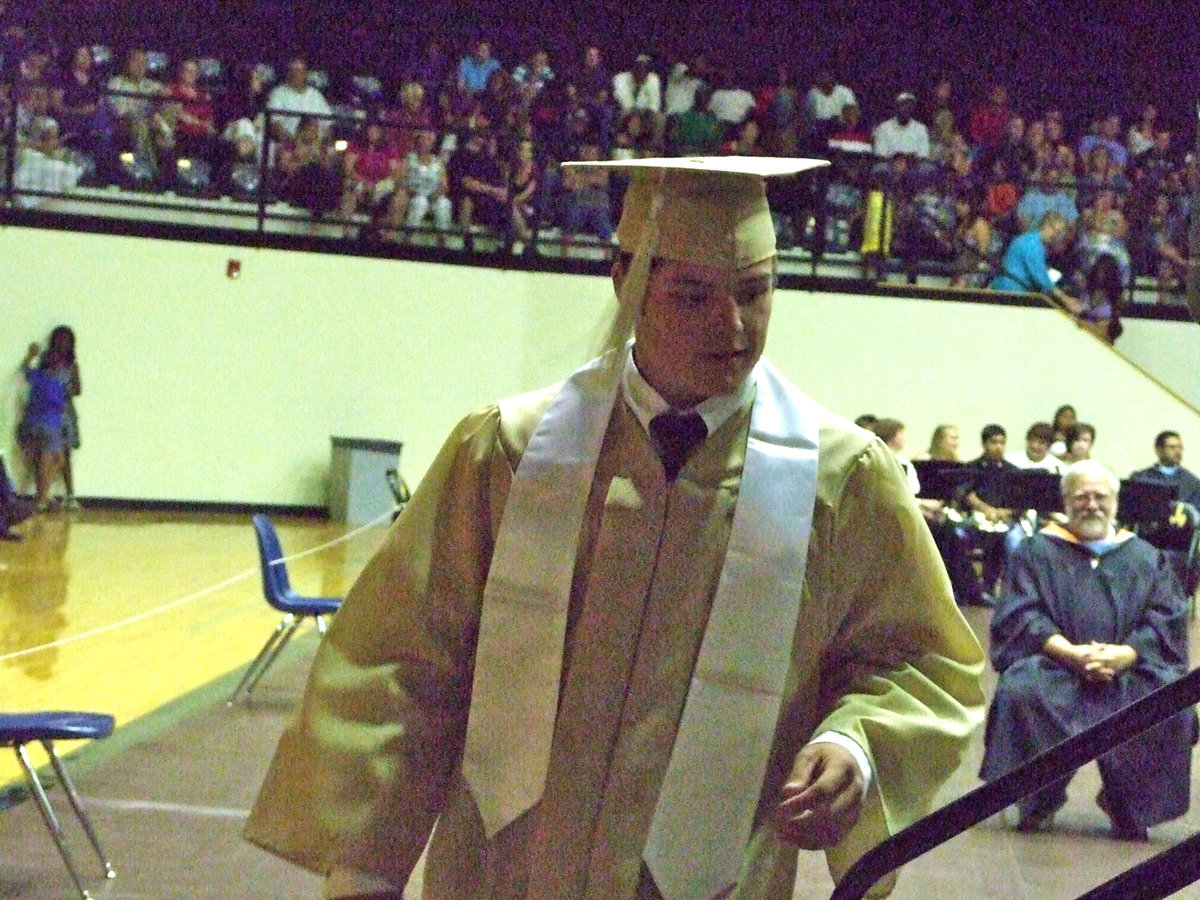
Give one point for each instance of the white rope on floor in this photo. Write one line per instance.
(182, 601)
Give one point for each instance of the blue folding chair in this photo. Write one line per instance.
(19, 729)
(278, 591)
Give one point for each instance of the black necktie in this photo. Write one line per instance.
(674, 436)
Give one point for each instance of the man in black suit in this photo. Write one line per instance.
(1168, 446)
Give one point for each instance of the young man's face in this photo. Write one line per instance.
(1171, 452)
(703, 328)
(1036, 449)
(993, 447)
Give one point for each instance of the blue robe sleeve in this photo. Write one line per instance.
(1022, 622)
(1161, 634)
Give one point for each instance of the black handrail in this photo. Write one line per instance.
(1159, 876)
(1044, 769)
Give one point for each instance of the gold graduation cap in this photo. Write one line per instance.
(710, 210)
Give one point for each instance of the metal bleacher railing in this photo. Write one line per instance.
(1160, 876)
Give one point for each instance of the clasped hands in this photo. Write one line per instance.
(1103, 662)
(1095, 661)
(822, 798)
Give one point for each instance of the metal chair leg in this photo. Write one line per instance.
(68, 787)
(43, 803)
(270, 660)
(286, 622)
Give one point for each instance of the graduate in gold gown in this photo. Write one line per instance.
(612, 653)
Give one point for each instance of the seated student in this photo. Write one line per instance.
(635, 138)
(43, 165)
(525, 180)
(1078, 440)
(426, 187)
(586, 202)
(847, 134)
(195, 130)
(1036, 455)
(412, 115)
(478, 187)
(1105, 232)
(891, 432)
(1090, 620)
(902, 133)
(1064, 418)
(985, 496)
(77, 101)
(950, 542)
(371, 171)
(697, 131)
(1160, 245)
(943, 444)
(141, 126)
(1168, 447)
(977, 245)
(307, 169)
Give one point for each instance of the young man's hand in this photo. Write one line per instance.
(822, 798)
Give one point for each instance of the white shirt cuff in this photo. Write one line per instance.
(853, 748)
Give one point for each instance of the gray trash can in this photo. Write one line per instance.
(358, 485)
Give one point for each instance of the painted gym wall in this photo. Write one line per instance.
(198, 387)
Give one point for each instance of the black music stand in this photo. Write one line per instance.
(1034, 489)
(1144, 502)
(941, 479)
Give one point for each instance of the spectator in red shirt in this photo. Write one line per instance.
(371, 171)
(988, 125)
(410, 117)
(195, 128)
(848, 134)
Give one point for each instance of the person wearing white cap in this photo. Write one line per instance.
(642, 634)
(902, 133)
(638, 87)
(43, 165)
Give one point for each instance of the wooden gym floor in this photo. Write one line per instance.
(151, 617)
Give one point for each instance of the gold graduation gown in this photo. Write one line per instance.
(372, 761)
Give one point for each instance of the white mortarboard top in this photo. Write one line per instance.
(710, 210)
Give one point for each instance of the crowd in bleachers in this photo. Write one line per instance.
(472, 139)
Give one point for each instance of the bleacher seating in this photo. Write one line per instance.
(207, 193)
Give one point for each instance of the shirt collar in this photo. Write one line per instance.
(646, 402)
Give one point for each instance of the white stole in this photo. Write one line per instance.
(705, 811)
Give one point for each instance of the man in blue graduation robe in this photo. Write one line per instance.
(1090, 620)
